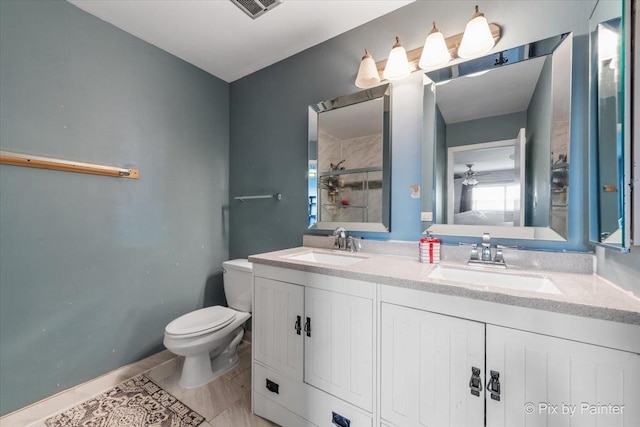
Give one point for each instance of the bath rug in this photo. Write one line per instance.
(138, 402)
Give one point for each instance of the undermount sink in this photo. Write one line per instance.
(497, 280)
(342, 260)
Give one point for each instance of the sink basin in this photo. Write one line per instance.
(497, 280)
(326, 258)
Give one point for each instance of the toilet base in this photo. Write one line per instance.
(200, 369)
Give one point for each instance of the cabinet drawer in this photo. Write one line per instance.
(265, 408)
(306, 401)
(278, 388)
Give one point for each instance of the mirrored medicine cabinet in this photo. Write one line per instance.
(349, 175)
(499, 129)
(610, 126)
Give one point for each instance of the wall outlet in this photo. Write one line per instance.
(426, 216)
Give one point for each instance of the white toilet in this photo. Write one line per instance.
(208, 338)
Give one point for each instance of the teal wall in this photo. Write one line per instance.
(487, 129)
(92, 268)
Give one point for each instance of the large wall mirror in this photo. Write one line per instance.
(500, 130)
(610, 125)
(349, 162)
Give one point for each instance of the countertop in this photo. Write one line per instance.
(586, 295)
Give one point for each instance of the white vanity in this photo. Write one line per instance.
(379, 340)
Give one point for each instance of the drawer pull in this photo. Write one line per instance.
(340, 421)
(273, 387)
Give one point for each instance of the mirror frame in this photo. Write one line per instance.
(625, 179)
(383, 91)
(536, 49)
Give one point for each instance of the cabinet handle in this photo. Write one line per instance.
(339, 420)
(298, 325)
(475, 383)
(494, 385)
(307, 326)
(273, 387)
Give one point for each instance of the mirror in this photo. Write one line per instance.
(609, 126)
(501, 132)
(349, 162)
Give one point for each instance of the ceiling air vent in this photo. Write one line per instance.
(255, 8)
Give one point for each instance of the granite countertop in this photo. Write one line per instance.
(585, 295)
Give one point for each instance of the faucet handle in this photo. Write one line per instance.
(486, 239)
(498, 257)
(474, 252)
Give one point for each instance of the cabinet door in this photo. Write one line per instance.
(426, 368)
(277, 311)
(339, 347)
(546, 381)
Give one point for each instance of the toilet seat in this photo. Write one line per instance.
(199, 322)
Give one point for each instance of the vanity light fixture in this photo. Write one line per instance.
(397, 67)
(477, 39)
(435, 52)
(368, 72)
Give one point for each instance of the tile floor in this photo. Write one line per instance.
(224, 402)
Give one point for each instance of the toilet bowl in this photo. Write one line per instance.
(208, 338)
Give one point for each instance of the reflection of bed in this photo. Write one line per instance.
(483, 218)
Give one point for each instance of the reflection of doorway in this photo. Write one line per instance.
(485, 183)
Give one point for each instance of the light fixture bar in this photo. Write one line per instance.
(452, 42)
(31, 161)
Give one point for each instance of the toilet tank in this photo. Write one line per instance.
(238, 283)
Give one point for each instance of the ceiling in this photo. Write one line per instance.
(466, 98)
(218, 37)
(362, 119)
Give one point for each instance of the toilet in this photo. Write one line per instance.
(208, 338)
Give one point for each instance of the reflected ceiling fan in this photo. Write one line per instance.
(470, 176)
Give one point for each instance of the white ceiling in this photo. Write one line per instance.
(486, 95)
(218, 37)
(364, 118)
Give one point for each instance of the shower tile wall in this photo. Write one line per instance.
(360, 152)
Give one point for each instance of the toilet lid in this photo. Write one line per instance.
(207, 319)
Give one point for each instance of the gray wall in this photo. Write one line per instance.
(488, 129)
(92, 268)
(269, 120)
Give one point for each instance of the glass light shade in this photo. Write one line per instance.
(368, 72)
(477, 39)
(397, 67)
(435, 52)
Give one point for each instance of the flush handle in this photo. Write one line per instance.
(307, 326)
(494, 385)
(298, 325)
(475, 383)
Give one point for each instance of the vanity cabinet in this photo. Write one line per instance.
(313, 352)
(590, 380)
(429, 360)
(426, 367)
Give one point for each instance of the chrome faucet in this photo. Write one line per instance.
(345, 242)
(341, 238)
(485, 256)
(486, 247)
